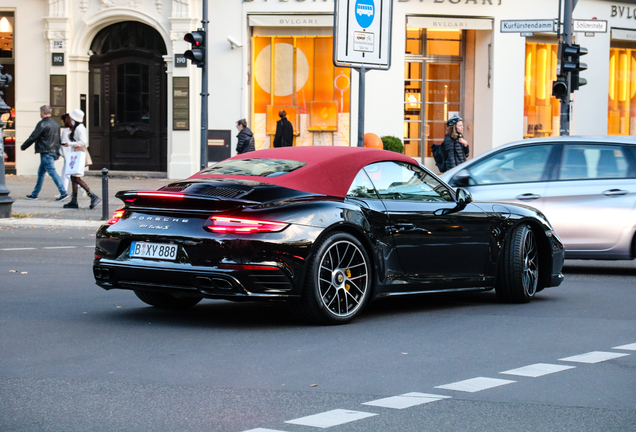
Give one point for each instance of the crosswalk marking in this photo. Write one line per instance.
(537, 370)
(331, 418)
(629, 347)
(406, 400)
(594, 357)
(475, 384)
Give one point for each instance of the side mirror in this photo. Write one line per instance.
(463, 196)
(461, 179)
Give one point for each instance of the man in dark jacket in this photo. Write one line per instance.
(46, 137)
(245, 138)
(284, 131)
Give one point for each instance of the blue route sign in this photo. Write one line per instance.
(365, 12)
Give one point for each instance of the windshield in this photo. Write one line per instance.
(254, 167)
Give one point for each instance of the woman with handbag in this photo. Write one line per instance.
(78, 142)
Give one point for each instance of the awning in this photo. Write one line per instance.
(621, 34)
(450, 23)
(325, 20)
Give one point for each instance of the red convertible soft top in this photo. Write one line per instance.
(329, 170)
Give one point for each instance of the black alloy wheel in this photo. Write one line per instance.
(338, 283)
(166, 301)
(518, 275)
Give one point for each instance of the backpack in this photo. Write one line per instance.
(438, 155)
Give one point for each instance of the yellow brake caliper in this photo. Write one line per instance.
(348, 273)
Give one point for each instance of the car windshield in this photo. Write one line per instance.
(254, 167)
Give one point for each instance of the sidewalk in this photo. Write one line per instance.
(45, 211)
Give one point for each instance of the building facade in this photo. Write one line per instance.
(121, 62)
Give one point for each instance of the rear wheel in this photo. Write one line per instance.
(338, 283)
(519, 268)
(166, 301)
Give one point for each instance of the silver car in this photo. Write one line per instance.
(586, 186)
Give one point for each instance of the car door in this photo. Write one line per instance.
(437, 241)
(517, 175)
(591, 202)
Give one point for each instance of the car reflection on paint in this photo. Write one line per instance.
(586, 186)
(326, 229)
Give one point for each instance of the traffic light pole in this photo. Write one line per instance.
(204, 90)
(567, 40)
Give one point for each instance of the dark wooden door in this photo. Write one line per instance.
(128, 121)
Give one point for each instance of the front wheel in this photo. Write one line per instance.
(166, 301)
(518, 275)
(338, 283)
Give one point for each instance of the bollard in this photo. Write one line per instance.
(105, 213)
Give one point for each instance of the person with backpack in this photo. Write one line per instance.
(454, 148)
(245, 138)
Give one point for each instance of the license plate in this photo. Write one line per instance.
(153, 250)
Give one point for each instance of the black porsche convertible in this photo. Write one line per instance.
(326, 229)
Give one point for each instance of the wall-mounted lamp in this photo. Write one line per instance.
(234, 43)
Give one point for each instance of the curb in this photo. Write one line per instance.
(58, 223)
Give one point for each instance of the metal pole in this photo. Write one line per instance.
(361, 91)
(105, 212)
(204, 90)
(567, 40)
(5, 200)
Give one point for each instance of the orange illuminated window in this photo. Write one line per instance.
(622, 92)
(540, 108)
(296, 74)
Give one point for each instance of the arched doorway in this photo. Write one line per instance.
(128, 102)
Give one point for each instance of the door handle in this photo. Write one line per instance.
(403, 226)
(528, 197)
(614, 192)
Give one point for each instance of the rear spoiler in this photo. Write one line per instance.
(175, 200)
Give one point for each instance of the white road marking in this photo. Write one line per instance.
(60, 223)
(263, 430)
(14, 249)
(406, 400)
(537, 370)
(331, 418)
(475, 384)
(47, 247)
(60, 247)
(594, 357)
(629, 347)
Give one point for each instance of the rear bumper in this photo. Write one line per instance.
(206, 282)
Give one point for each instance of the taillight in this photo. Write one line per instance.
(220, 224)
(116, 216)
(161, 194)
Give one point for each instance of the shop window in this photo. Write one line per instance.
(622, 92)
(541, 109)
(432, 86)
(296, 74)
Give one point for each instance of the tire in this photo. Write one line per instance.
(518, 275)
(338, 283)
(166, 301)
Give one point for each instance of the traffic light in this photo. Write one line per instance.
(571, 63)
(196, 54)
(560, 87)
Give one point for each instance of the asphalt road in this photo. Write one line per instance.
(74, 357)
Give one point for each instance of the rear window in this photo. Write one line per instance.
(254, 167)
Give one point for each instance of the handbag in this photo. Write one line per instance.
(75, 163)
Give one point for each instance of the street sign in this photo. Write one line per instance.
(589, 26)
(528, 26)
(362, 33)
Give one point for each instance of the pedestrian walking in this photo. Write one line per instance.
(284, 131)
(78, 141)
(455, 147)
(245, 138)
(67, 125)
(46, 137)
